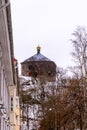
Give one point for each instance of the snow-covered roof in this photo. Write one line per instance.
(37, 57)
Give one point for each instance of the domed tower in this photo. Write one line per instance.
(39, 66)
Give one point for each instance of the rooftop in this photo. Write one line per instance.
(37, 57)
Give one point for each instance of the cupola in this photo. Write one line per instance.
(38, 49)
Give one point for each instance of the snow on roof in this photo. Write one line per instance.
(37, 57)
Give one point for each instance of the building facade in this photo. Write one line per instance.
(8, 84)
(14, 101)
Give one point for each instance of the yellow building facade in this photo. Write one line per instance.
(14, 102)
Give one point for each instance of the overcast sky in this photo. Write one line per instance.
(48, 23)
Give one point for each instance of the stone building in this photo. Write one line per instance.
(39, 66)
(7, 68)
(14, 101)
(35, 67)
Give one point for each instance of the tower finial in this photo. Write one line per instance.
(38, 49)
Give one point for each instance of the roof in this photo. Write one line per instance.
(37, 57)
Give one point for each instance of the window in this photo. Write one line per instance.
(11, 103)
(17, 119)
(17, 101)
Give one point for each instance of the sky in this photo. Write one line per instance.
(48, 23)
